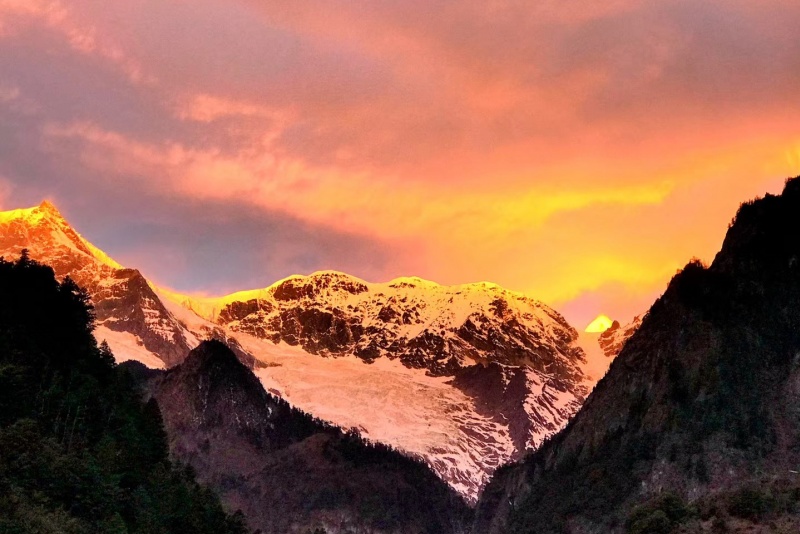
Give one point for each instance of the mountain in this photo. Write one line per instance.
(424, 325)
(129, 313)
(79, 450)
(695, 427)
(612, 340)
(465, 377)
(513, 362)
(287, 471)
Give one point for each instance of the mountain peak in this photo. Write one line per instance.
(212, 352)
(48, 235)
(48, 207)
(46, 211)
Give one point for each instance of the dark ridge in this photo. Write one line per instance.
(79, 450)
(286, 470)
(697, 414)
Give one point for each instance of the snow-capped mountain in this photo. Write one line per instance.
(424, 325)
(466, 377)
(511, 360)
(612, 340)
(130, 316)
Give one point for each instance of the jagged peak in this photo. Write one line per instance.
(34, 215)
(49, 208)
(47, 216)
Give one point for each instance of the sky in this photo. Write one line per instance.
(578, 152)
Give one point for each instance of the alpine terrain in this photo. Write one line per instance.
(465, 378)
(287, 471)
(696, 427)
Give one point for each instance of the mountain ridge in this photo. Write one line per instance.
(464, 426)
(698, 411)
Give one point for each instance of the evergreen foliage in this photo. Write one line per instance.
(79, 451)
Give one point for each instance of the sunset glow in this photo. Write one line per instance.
(599, 325)
(577, 152)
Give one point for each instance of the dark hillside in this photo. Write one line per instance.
(79, 451)
(701, 407)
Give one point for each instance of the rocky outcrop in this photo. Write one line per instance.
(612, 340)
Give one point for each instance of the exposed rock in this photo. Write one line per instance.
(612, 340)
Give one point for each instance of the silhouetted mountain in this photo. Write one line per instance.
(79, 451)
(696, 425)
(287, 471)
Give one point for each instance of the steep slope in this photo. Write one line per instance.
(510, 373)
(79, 450)
(700, 405)
(129, 314)
(286, 471)
(464, 377)
(612, 340)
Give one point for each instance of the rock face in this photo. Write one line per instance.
(699, 406)
(473, 376)
(128, 311)
(515, 358)
(285, 470)
(612, 340)
(424, 325)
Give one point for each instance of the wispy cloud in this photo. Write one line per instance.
(573, 150)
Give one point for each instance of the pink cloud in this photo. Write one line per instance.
(565, 149)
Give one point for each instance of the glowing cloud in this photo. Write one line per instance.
(577, 152)
(599, 325)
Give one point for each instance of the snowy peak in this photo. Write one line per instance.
(426, 325)
(45, 232)
(612, 340)
(130, 315)
(467, 377)
(49, 209)
(327, 284)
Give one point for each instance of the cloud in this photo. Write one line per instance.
(209, 108)
(361, 203)
(578, 151)
(16, 16)
(8, 94)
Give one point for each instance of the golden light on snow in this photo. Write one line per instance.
(599, 325)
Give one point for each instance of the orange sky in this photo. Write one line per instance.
(580, 152)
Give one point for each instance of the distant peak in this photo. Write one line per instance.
(50, 209)
(33, 216)
(48, 221)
